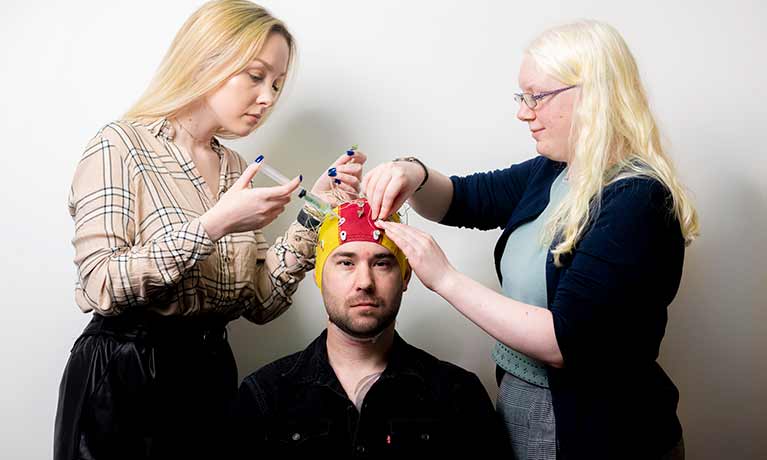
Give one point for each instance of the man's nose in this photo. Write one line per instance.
(364, 278)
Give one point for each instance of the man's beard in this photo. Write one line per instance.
(342, 319)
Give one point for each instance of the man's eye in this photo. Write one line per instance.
(256, 78)
(276, 88)
(345, 263)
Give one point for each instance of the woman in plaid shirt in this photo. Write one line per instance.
(168, 245)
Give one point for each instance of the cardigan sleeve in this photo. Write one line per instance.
(610, 301)
(486, 200)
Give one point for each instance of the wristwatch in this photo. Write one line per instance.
(425, 169)
(308, 221)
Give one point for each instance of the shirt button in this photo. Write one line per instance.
(361, 449)
(296, 437)
(425, 436)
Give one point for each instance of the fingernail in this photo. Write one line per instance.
(300, 178)
(259, 159)
(337, 181)
(302, 193)
(350, 152)
(332, 172)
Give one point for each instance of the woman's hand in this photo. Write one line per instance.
(524, 327)
(426, 258)
(389, 185)
(243, 208)
(341, 182)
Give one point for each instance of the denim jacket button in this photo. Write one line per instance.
(296, 437)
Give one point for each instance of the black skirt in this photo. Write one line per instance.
(146, 387)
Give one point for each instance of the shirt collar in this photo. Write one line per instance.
(164, 129)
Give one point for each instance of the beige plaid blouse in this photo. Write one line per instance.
(136, 199)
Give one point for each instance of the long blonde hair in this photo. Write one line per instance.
(218, 40)
(613, 134)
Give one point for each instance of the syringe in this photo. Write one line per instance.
(313, 200)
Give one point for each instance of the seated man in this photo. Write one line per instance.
(359, 389)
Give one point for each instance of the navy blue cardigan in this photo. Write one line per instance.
(608, 301)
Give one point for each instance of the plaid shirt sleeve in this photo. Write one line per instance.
(112, 272)
(285, 264)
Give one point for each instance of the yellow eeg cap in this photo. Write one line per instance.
(352, 222)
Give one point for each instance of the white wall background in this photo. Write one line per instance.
(428, 78)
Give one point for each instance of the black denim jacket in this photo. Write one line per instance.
(297, 406)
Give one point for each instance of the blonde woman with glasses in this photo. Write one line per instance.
(169, 248)
(594, 234)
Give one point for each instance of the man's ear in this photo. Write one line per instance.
(406, 278)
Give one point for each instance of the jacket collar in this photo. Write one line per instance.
(313, 365)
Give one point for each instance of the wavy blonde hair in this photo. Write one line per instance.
(218, 41)
(613, 134)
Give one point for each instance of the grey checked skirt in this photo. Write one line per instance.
(528, 415)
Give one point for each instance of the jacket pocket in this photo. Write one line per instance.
(309, 435)
(417, 435)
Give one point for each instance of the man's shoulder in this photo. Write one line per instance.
(433, 368)
(275, 371)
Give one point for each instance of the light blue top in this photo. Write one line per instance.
(523, 267)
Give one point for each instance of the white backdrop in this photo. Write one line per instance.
(433, 79)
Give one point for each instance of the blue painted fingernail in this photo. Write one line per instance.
(302, 193)
(259, 159)
(332, 172)
(337, 181)
(300, 178)
(350, 152)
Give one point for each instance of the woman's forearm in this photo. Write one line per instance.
(433, 200)
(525, 328)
